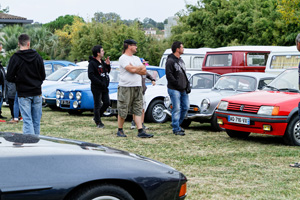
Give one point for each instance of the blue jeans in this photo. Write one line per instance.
(31, 111)
(181, 104)
(16, 107)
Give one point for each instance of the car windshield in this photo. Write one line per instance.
(82, 78)
(233, 82)
(55, 76)
(162, 81)
(286, 81)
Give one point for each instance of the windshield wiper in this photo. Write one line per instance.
(289, 90)
(271, 87)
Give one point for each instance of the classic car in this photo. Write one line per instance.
(42, 167)
(154, 96)
(53, 65)
(203, 105)
(272, 111)
(56, 79)
(78, 97)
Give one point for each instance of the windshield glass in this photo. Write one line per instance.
(288, 79)
(55, 76)
(82, 78)
(241, 83)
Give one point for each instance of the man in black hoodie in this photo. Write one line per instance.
(26, 69)
(177, 84)
(98, 71)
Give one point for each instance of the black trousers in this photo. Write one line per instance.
(11, 106)
(101, 103)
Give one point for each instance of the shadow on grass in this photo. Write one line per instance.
(263, 139)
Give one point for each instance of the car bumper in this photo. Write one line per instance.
(277, 124)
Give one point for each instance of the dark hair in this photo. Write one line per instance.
(96, 49)
(175, 46)
(23, 39)
(125, 47)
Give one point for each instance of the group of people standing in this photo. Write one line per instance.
(132, 87)
(26, 71)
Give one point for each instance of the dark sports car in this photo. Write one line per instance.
(46, 168)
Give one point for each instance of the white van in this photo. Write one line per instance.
(280, 60)
(192, 58)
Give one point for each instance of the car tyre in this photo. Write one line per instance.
(186, 123)
(237, 134)
(155, 112)
(292, 132)
(75, 112)
(107, 192)
(214, 123)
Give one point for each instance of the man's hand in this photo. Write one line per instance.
(107, 61)
(141, 70)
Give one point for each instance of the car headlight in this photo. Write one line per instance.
(62, 94)
(205, 104)
(57, 94)
(167, 101)
(223, 105)
(71, 95)
(75, 104)
(268, 110)
(78, 95)
(57, 102)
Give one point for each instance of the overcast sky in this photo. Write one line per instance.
(44, 11)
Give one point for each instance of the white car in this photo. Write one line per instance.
(154, 96)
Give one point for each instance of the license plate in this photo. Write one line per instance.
(239, 120)
(65, 102)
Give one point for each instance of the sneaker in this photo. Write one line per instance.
(12, 121)
(132, 125)
(145, 135)
(2, 117)
(145, 127)
(181, 133)
(181, 129)
(21, 119)
(121, 134)
(100, 125)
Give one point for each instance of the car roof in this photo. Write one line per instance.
(74, 67)
(65, 62)
(196, 71)
(250, 48)
(190, 51)
(253, 74)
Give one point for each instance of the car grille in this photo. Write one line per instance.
(243, 108)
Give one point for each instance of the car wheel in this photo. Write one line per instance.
(292, 132)
(237, 134)
(155, 112)
(75, 112)
(186, 123)
(214, 123)
(101, 192)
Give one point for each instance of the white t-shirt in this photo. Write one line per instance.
(128, 79)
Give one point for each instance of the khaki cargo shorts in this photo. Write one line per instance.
(130, 100)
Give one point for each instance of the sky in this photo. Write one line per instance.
(44, 11)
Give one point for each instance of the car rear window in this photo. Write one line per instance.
(257, 59)
(218, 60)
(284, 61)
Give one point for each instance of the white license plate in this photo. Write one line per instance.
(239, 120)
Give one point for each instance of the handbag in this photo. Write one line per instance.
(188, 87)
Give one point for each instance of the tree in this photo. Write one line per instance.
(290, 10)
(106, 17)
(4, 10)
(61, 21)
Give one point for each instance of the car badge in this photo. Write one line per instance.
(242, 107)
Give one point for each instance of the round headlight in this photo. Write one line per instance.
(78, 95)
(71, 95)
(205, 104)
(167, 101)
(75, 104)
(62, 94)
(57, 102)
(57, 94)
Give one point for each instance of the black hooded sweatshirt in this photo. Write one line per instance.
(98, 74)
(26, 69)
(175, 73)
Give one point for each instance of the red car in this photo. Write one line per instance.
(273, 111)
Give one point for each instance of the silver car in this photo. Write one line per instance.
(203, 105)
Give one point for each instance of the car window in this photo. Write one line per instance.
(287, 79)
(241, 83)
(82, 77)
(202, 81)
(48, 69)
(257, 59)
(162, 81)
(284, 61)
(154, 74)
(73, 75)
(57, 66)
(114, 75)
(55, 76)
(197, 62)
(217, 60)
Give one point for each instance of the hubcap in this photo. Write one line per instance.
(106, 198)
(157, 112)
(296, 132)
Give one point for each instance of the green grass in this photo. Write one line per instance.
(217, 167)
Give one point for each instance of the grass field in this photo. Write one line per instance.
(217, 167)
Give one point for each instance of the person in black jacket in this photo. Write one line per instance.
(98, 72)
(26, 69)
(177, 84)
(2, 86)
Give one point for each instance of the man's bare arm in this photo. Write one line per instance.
(141, 70)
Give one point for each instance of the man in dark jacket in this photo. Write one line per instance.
(26, 69)
(98, 72)
(2, 86)
(177, 84)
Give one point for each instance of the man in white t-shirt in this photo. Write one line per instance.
(130, 90)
